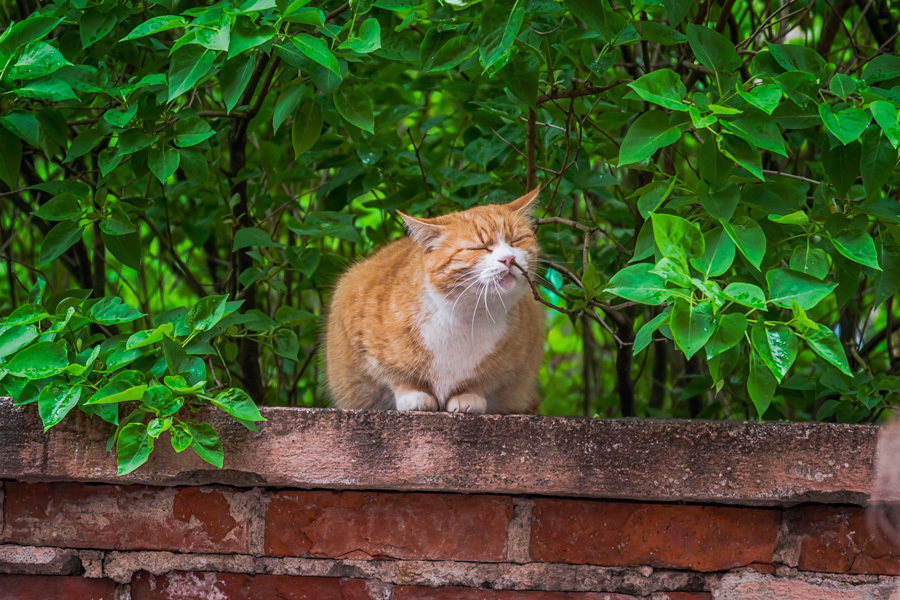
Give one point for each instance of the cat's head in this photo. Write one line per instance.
(479, 252)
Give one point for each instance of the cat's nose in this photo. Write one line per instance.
(507, 260)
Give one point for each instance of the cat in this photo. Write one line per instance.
(443, 319)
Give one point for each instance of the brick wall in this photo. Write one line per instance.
(778, 515)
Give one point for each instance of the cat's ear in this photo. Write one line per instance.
(526, 204)
(424, 232)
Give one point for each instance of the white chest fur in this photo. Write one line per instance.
(459, 338)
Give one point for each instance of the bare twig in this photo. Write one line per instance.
(588, 90)
(419, 159)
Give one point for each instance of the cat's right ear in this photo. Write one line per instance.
(423, 232)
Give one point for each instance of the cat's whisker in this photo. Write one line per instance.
(461, 294)
(500, 295)
(486, 304)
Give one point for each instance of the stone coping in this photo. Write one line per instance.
(763, 464)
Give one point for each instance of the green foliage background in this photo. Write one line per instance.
(182, 181)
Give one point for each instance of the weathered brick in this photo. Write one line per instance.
(682, 596)
(48, 587)
(458, 593)
(362, 525)
(754, 586)
(29, 560)
(127, 517)
(838, 540)
(700, 538)
(181, 585)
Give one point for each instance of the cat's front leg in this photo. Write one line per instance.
(467, 403)
(407, 399)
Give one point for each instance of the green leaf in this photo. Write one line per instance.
(286, 344)
(251, 236)
(882, 68)
(317, 49)
(111, 311)
(307, 127)
(155, 25)
(163, 163)
(743, 153)
(94, 26)
(811, 261)
(718, 254)
(34, 27)
(749, 238)
(637, 283)
(187, 67)
(207, 312)
(719, 204)
(758, 129)
(662, 87)
(133, 447)
(205, 442)
(26, 314)
(125, 248)
(521, 77)
(786, 285)
(746, 294)
(826, 344)
(878, 160)
(676, 237)
(53, 90)
(60, 238)
(764, 97)
(795, 218)
(55, 402)
(498, 30)
(645, 334)
(23, 124)
(62, 207)
(451, 53)
(368, 38)
(673, 271)
(40, 360)
(148, 337)
(39, 59)
(245, 34)
(234, 78)
(712, 49)
(761, 384)
(355, 106)
(777, 345)
(286, 104)
(190, 131)
(238, 404)
(858, 246)
(729, 331)
(842, 85)
(887, 282)
(661, 34)
(10, 159)
(847, 125)
(887, 116)
(306, 260)
(794, 57)
(117, 391)
(181, 437)
(16, 338)
(842, 166)
(692, 325)
(650, 132)
(162, 401)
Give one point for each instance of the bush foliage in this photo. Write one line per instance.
(182, 181)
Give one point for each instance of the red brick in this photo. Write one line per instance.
(75, 515)
(838, 540)
(699, 538)
(48, 587)
(457, 593)
(755, 586)
(364, 525)
(180, 585)
(685, 596)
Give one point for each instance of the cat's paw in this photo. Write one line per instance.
(416, 401)
(467, 403)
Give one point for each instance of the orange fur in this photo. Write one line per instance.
(441, 320)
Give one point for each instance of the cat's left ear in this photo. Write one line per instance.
(423, 231)
(526, 204)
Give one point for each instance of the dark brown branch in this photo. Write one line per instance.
(419, 159)
(588, 90)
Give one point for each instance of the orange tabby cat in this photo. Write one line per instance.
(442, 319)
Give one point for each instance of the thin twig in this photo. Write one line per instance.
(419, 159)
